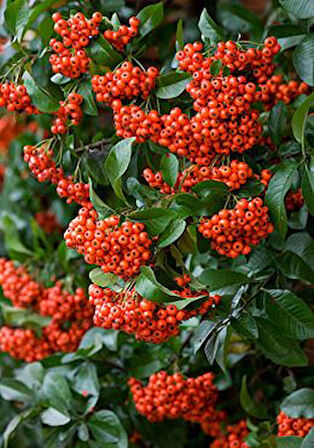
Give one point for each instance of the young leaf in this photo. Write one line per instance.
(303, 59)
(172, 84)
(169, 166)
(277, 121)
(254, 409)
(150, 18)
(275, 196)
(308, 189)
(117, 163)
(209, 29)
(299, 404)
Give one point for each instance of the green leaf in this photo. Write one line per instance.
(289, 442)
(13, 390)
(299, 404)
(103, 54)
(303, 9)
(117, 163)
(172, 84)
(12, 239)
(303, 245)
(180, 35)
(278, 348)
(216, 280)
(89, 105)
(215, 67)
(37, 10)
(308, 442)
(201, 334)
(148, 286)
(299, 118)
(82, 432)
(101, 208)
(296, 318)
(102, 279)
(150, 18)
(293, 266)
(275, 196)
(308, 189)
(86, 381)
(108, 338)
(209, 29)
(169, 166)
(54, 417)
(42, 99)
(20, 317)
(107, 430)
(57, 392)
(254, 409)
(16, 16)
(172, 232)
(14, 424)
(277, 121)
(303, 59)
(245, 325)
(156, 220)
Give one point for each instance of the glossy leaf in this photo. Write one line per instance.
(172, 84)
(253, 408)
(303, 59)
(150, 16)
(169, 166)
(209, 29)
(299, 404)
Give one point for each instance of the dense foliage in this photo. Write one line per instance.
(156, 214)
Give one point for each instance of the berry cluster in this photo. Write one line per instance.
(70, 313)
(69, 57)
(173, 396)
(42, 165)
(234, 438)
(294, 200)
(70, 112)
(9, 130)
(16, 99)
(233, 176)
(122, 36)
(233, 231)
(132, 121)
(148, 321)
(127, 81)
(288, 426)
(47, 221)
(276, 90)
(120, 248)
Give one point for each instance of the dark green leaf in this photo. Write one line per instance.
(296, 318)
(107, 430)
(299, 119)
(308, 189)
(148, 286)
(172, 232)
(102, 209)
(209, 29)
(117, 163)
(303, 9)
(172, 84)
(86, 381)
(216, 280)
(254, 409)
(150, 18)
(293, 266)
(277, 121)
(156, 220)
(179, 35)
(303, 59)
(42, 99)
(278, 348)
(308, 441)
(275, 196)
(303, 245)
(104, 54)
(245, 325)
(14, 390)
(89, 105)
(169, 166)
(299, 404)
